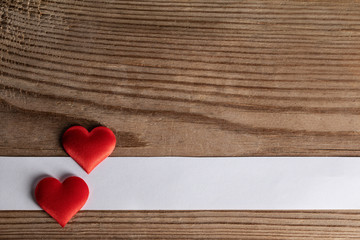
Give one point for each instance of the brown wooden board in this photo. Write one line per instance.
(188, 78)
(184, 225)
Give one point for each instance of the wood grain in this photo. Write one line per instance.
(184, 225)
(190, 78)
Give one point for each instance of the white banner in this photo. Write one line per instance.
(179, 183)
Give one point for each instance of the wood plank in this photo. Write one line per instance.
(184, 225)
(190, 78)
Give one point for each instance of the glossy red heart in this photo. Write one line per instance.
(62, 200)
(89, 149)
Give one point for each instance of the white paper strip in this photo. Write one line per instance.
(192, 183)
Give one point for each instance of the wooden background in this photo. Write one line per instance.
(189, 78)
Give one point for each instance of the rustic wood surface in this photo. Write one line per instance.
(185, 225)
(198, 78)
(190, 78)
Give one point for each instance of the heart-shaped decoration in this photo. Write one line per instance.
(89, 149)
(62, 200)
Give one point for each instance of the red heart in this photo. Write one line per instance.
(62, 200)
(89, 149)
